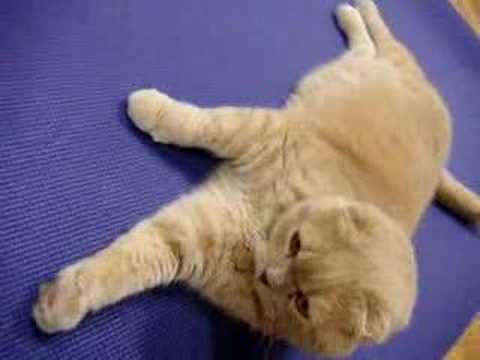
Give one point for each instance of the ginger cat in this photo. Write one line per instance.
(304, 231)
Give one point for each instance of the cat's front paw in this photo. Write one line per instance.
(147, 108)
(60, 305)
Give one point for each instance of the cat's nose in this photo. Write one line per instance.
(264, 279)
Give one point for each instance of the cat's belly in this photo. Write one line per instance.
(388, 140)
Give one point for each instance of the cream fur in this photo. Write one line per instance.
(348, 167)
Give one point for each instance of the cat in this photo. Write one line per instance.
(304, 230)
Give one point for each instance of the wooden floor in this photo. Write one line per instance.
(470, 10)
(468, 346)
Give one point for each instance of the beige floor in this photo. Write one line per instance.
(470, 10)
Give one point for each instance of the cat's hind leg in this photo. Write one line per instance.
(227, 132)
(177, 243)
(360, 46)
(379, 31)
(387, 45)
(354, 28)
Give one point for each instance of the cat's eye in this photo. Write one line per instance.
(295, 245)
(301, 303)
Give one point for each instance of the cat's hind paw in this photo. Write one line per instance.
(60, 305)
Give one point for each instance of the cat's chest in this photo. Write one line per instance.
(297, 175)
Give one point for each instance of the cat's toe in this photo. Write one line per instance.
(59, 307)
(145, 108)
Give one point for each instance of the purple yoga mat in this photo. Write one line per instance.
(74, 173)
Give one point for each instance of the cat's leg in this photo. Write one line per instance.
(177, 243)
(387, 45)
(227, 132)
(354, 28)
(360, 45)
(378, 29)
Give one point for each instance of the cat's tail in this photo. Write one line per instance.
(457, 197)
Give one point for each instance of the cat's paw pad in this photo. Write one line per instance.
(147, 107)
(60, 305)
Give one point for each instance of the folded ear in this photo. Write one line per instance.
(353, 220)
(377, 327)
(351, 318)
(367, 318)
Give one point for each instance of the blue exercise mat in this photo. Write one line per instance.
(74, 173)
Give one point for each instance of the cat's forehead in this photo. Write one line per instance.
(319, 272)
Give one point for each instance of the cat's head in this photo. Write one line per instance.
(336, 274)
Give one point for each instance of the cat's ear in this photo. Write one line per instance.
(349, 318)
(352, 220)
(377, 320)
(368, 319)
